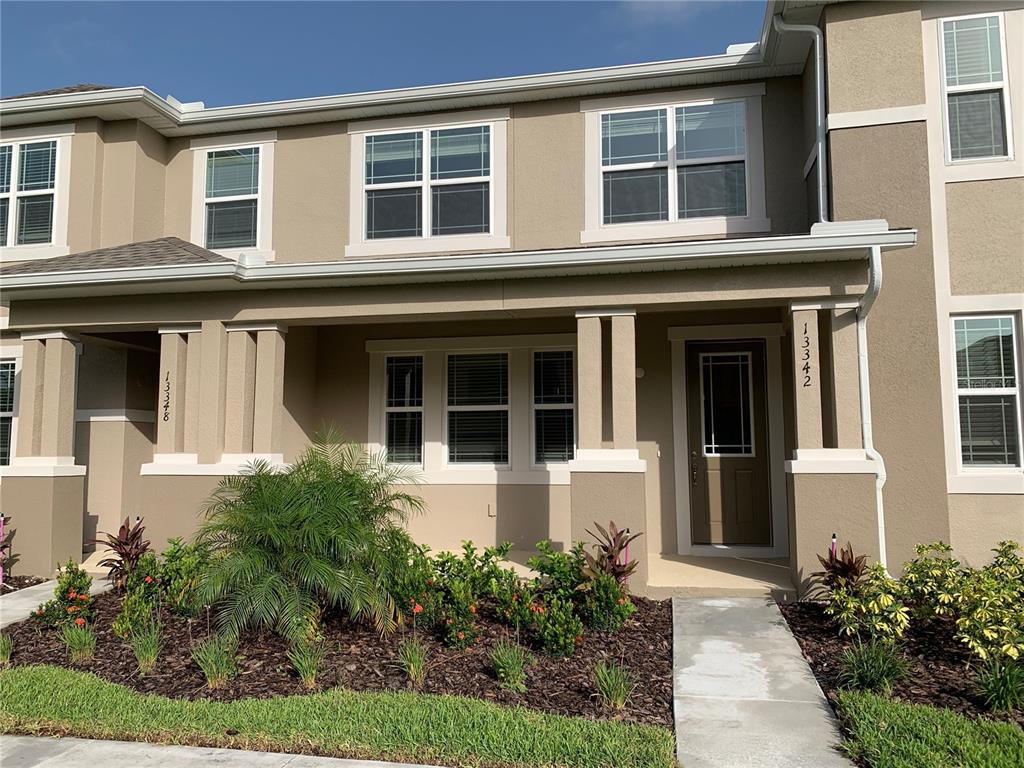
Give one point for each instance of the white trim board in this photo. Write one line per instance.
(770, 333)
(912, 113)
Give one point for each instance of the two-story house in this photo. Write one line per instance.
(738, 302)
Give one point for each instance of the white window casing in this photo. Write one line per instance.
(997, 83)
(263, 145)
(14, 144)
(494, 121)
(755, 218)
(10, 365)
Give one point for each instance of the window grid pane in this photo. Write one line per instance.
(6, 386)
(5, 440)
(634, 137)
(4, 210)
(394, 213)
(984, 353)
(404, 381)
(5, 169)
(988, 430)
(476, 437)
(460, 152)
(231, 224)
(394, 158)
(478, 379)
(553, 435)
(459, 209)
(553, 378)
(35, 220)
(405, 437)
(631, 196)
(711, 130)
(712, 190)
(37, 166)
(727, 416)
(972, 50)
(977, 125)
(232, 172)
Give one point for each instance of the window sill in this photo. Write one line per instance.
(32, 252)
(715, 225)
(401, 246)
(984, 169)
(481, 476)
(1010, 482)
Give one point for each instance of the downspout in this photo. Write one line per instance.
(819, 100)
(863, 307)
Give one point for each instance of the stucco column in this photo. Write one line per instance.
(807, 379)
(193, 375)
(845, 379)
(212, 385)
(58, 432)
(624, 381)
(268, 418)
(588, 366)
(240, 389)
(170, 407)
(30, 396)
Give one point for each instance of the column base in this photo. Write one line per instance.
(607, 460)
(830, 461)
(46, 512)
(43, 466)
(188, 464)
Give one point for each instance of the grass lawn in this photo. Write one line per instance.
(891, 734)
(386, 726)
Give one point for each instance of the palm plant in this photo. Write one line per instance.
(289, 544)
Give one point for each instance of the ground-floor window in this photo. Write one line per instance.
(478, 408)
(554, 436)
(6, 409)
(404, 409)
(988, 390)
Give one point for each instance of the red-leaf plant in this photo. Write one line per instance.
(842, 569)
(127, 546)
(610, 548)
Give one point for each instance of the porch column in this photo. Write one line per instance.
(30, 407)
(239, 393)
(807, 379)
(58, 423)
(589, 381)
(212, 387)
(170, 407)
(845, 378)
(624, 381)
(267, 436)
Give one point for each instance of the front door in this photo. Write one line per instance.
(727, 428)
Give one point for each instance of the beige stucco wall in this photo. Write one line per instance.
(46, 522)
(874, 56)
(85, 196)
(978, 522)
(986, 236)
(178, 190)
(172, 506)
(878, 172)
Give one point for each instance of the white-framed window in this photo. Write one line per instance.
(727, 404)
(403, 408)
(34, 173)
(477, 408)
(232, 209)
(988, 391)
(422, 186)
(976, 88)
(8, 368)
(690, 163)
(554, 406)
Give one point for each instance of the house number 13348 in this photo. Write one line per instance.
(806, 357)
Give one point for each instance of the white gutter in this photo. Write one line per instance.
(819, 99)
(840, 246)
(863, 307)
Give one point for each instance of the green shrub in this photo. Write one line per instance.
(556, 626)
(875, 610)
(6, 650)
(1001, 683)
(71, 599)
(215, 656)
(561, 573)
(80, 641)
(416, 584)
(514, 597)
(873, 666)
(932, 580)
(614, 684)
(604, 603)
(145, 578)
(509, 661)
(136, 612)
(412, 659)
(287, 545)
(305, 659)
(181, 567)
(145, 644)
(478, 571)
(458, 608)
(989, 619)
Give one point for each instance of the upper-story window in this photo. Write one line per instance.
(33, 194)
(685, 166)
(977, 96)
(232, 208)
(421, 188)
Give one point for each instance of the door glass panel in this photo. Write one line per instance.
(726, 413)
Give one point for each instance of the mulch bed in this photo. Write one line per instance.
(358, 659)
(938, 675)
(14, 583)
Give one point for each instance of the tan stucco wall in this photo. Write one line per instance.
(978, 522)
(986, 236)
(873, 56)
(172, 505)
(178, 190)
(784, 155)
(878, 172)
(46, 522)
(85, 196)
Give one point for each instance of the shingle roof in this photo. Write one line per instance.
(80, 88)
(166, 251)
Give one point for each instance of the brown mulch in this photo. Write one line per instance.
(14, 583)
(939, 675)
(359, 659)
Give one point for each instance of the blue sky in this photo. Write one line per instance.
(242, 52)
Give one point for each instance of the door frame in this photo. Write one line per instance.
(771, 334)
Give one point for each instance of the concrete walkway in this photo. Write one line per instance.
(18, 605)
(744, 696)
(32, 751)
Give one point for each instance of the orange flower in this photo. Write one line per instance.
(472, 609)
(417, 608)
(80, 621)
(621, 601)
(71, 594)
(461, 635)
(72, 608)
(83, 598)
(149, 579)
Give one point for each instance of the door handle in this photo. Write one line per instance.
(693, 468)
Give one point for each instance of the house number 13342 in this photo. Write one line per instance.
(806, 357)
